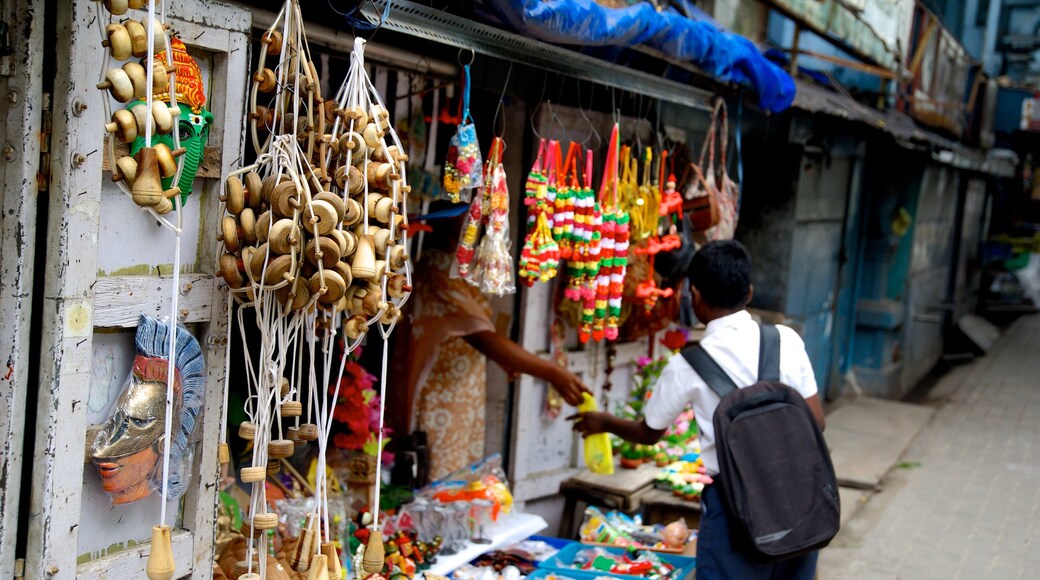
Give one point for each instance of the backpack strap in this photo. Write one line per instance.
(709, 370)
(769, 353)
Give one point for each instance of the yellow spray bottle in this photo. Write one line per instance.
(599, 456)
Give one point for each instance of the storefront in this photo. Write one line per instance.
(272, 183)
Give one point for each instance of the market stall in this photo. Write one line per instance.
(243, 220)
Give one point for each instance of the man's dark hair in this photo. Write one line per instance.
(721, 271)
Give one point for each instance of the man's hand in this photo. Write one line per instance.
(570, 387)
(590, 423)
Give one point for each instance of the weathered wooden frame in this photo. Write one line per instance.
(21, 84)
(72, 311)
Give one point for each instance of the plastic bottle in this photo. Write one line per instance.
(599, 456)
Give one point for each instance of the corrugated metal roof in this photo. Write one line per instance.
(813, 98)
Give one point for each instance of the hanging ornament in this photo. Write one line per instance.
(493, 263)
(463, 166)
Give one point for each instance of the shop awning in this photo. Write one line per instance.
(726, 56)
(813, 98)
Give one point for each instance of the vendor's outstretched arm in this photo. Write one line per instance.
(514, 359)
(633, 431)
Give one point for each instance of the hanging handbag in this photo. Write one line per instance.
(711, 198)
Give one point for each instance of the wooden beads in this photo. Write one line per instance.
(118, 41)
(265, 521)
(292, 409)
(123, 126)
(280, 448)
(247, 430)
(309, 432)
(266, 81)
(254, 474)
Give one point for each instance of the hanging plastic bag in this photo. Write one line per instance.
(493, 264)
(463, 167)
(599, 454)
(128, 449)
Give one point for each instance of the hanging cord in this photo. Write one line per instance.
(740, 156)
(501, 103)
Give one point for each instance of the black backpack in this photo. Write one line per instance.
(775, 474)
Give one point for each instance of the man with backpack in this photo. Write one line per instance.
(774, 500)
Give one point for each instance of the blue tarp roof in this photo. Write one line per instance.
(726, 56)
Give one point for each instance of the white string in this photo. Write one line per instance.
(171, 366)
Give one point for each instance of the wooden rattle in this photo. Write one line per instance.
(357, 115)
(331, 288)
(335, 568)
(327, 250)
(355, 328)
(278, 270)
(284, 236)
(398, 257)
(126, 169)
(353, 142)
(168, 160)
(118, 41)
(364, 264)
(300, 558)
(334, 200)
(321, 215)
(116, 7)
(263, 225)
(373, 136)
(117, 82)
(265, 521)
(343, 269)
(382, 240)
(381, 207)
(229, 231)
(296, 297)
(379, 175)
(231, 270)
(123, 126)
(253, 474)
(272, 41)
(285, 199)
(160, 564)
(266, 81)
(319, 569)
(247, 430)
(374, 552)
(352, 213)
(147, 189)
(309, 432)
(397, 286)
(280, 448)
(292, 409)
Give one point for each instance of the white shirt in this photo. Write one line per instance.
(733, 341)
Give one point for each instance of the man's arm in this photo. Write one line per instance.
(817, 410)
(633, 431)
(514, 359)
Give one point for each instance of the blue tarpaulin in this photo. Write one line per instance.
(726, 56)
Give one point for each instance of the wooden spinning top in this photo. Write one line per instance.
(265, 521)
(309, 432)
(160, 557)
(319, 569)
(292, 409)
(374, 552)
(364, 265)
(280, 448)
(300, 557)
(123, 126)
(247, 430)
(335, 568)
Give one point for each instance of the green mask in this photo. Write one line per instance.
(193, 130)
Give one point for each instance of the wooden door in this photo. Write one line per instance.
(108, 262)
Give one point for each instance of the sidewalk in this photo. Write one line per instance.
(965, 501)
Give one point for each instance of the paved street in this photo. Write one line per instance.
(965, 501)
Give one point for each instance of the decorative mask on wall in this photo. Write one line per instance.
(194, 120)
(128, 449)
